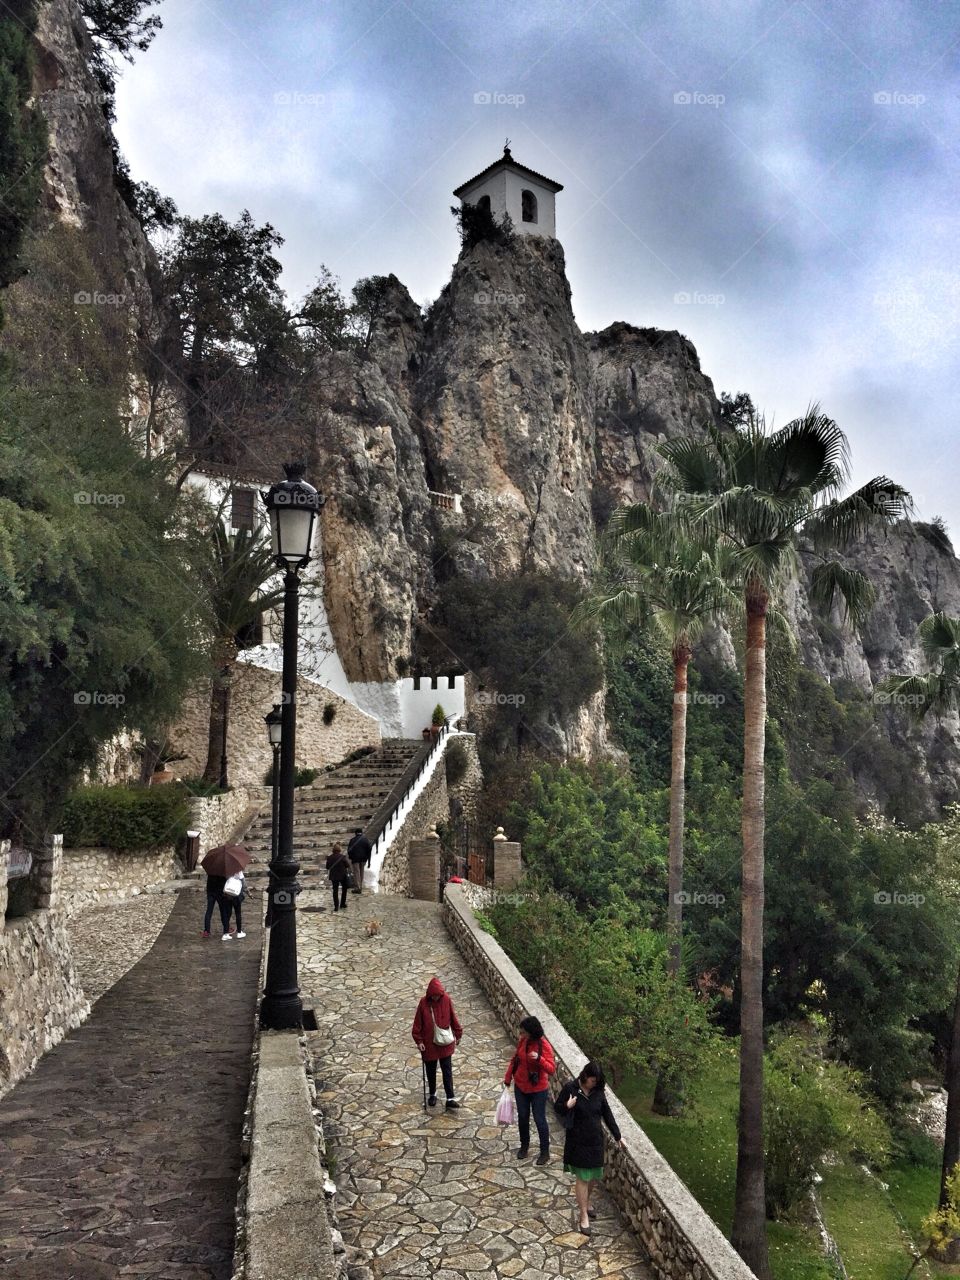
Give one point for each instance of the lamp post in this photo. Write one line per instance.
(293, 506)
(274, 722)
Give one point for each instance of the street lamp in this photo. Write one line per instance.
(293, 507)
(274, 722)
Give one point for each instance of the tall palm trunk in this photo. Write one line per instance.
(215, 768)
(749, 1235)
(951, 1143)
(668, 1096)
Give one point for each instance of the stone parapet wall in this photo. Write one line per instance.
(97, 875)
(253, 694)
(40, 998)
(680, 1238)
(465, 794)
(431, 806)
(218, 817)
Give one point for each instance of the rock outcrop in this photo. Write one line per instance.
(488, 436)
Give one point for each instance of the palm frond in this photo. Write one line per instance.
(833, 582)
(840, 522)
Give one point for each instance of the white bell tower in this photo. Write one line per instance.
(507, 186)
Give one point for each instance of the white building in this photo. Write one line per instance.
(508, 187)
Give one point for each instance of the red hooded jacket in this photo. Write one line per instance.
(521, 1065)
(435, 1009)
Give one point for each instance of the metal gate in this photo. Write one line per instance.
(466, 854)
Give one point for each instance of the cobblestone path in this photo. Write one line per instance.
(119, 1155)
(108, 940)
(433, 1193)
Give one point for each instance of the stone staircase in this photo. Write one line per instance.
(330, 810)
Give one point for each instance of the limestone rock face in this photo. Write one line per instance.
(497, 397)
(79, 187)
(503, 409)
(647, 386)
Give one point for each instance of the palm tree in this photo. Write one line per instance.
(770, 496)
(652, 572)
(231, 568)
(939, 691)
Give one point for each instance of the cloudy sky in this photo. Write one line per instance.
(791, 167)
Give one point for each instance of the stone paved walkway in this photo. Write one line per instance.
(119, 1155)
(107, 940)
(432, 1193)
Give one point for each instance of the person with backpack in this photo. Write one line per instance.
(583, 1110)
(437, 1033)
(358, 851)
(530, 1069)
(233, 903)
(215, 898)
(338, 869)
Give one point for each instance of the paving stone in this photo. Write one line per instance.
(142, 1107)
(453, 1175)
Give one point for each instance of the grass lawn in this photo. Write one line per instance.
(702, 1149)
(861, 1216)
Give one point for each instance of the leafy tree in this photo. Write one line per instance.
(232, 569)
(516, 633)
(118, 27)
(814, 1107)
(324, 314)
(95, 608)
(476, 224)
(652, 571)
(23, 137)
(609, 985)
(939, 691)
(765, 494)
(370, 297)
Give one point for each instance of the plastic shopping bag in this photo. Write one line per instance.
(506, 1111)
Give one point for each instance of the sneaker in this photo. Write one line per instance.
(205, 934)
(453, 1104)
(543, 1157)
(523, 1153)
(227, 937)
(432, 1100)
(241, 934)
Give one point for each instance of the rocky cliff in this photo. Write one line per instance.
(497, 399)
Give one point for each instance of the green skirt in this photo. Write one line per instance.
(585, 1175)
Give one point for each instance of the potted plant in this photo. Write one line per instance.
(162, 772)
(437, 720)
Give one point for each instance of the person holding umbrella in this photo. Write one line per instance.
(220, 864)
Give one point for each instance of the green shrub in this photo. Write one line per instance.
(197, 787)
(127, 819)
(456, 763)
(439, 716)
(813, 1106)
(301, 777)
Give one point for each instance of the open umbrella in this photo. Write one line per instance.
(225, 860)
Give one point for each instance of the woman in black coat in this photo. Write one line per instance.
(583, 1109)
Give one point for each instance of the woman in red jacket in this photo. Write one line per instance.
(530, 1070)
(437, 1032)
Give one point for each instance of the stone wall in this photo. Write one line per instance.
(40, 998)
(95, 875)
(218, 818)
(681, 1240)
(431, 806)
(465, 794)
(254, 692)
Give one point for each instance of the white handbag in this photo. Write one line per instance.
(234, 887)
(442, 1035)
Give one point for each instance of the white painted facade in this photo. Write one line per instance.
(513, 189)
(403, 708)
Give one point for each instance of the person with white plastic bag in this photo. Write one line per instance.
(530, 1069)
(437, 1033)
(234, 892)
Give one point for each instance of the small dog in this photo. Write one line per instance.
(372, 927)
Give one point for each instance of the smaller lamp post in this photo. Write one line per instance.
(274, 722)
